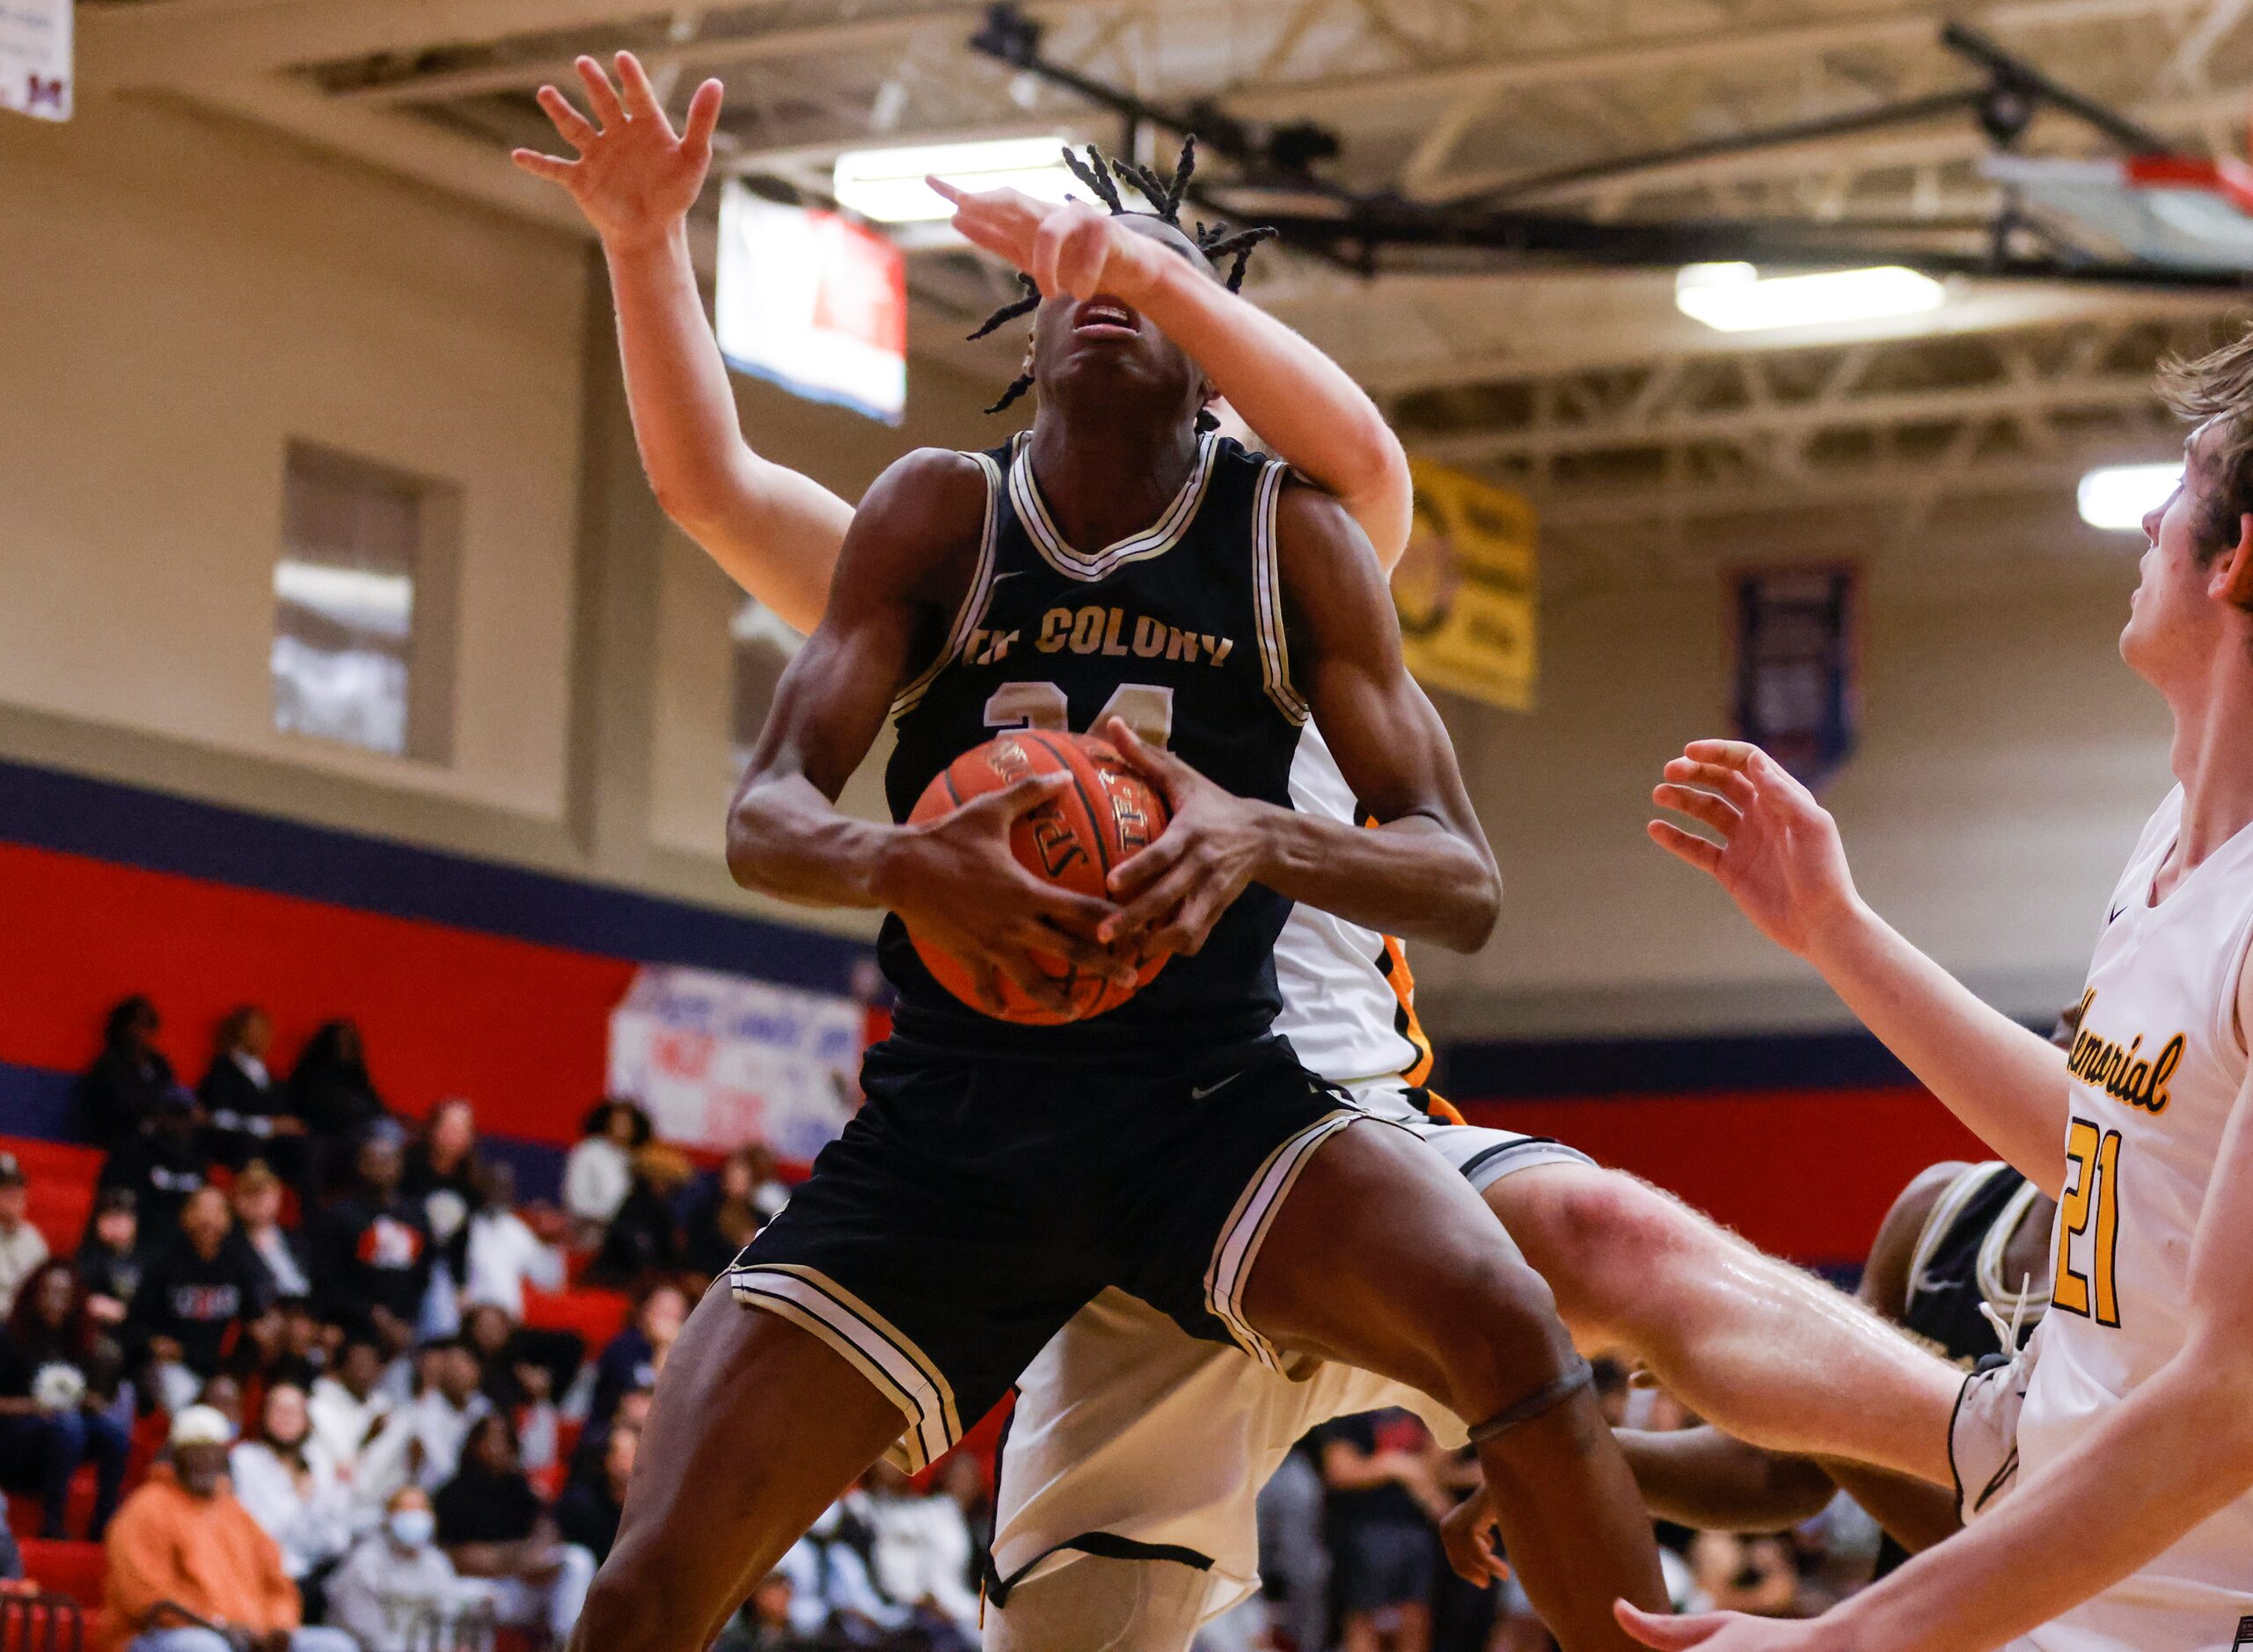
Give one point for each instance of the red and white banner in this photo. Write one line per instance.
(719, 1060)
(35, 58)
(812, 301)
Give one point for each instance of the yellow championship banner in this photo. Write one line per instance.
(1464, 588)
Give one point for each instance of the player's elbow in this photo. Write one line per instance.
(1475, 910)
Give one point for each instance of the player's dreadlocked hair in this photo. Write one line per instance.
(1103, 175)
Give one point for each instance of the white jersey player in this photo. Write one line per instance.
(1137, 1449)
(2111, 1468)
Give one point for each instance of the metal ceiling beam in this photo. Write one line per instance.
(1732, 47)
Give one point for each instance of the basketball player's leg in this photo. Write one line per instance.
(1379, 1255)
(1760, 1348)
(758, 1427)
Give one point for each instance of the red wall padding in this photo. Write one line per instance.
(1805, 1174)
(517, 1027)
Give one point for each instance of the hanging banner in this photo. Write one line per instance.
(35, 58)
(1464, 588)
(1795, 692)
(719, 1060)
(811, 301)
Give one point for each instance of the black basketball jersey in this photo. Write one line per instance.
(1958, 1266)
(1178, 630)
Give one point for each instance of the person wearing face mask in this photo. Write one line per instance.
(397, 1591)
(293, 1489)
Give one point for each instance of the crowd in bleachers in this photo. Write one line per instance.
(313, 1376)
(1351, 1555)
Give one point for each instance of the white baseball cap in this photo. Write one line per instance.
(201, 1425)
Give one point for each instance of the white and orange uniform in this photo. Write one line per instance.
(1132, 1439)
(2157, 1067)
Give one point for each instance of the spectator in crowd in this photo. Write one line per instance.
(397, 1591)
(371, 1257)
(295, 1490)
(768, 1621)
(505, 1252)
(495, 1528)
(22, 1247)
(637, 1353)
(451, 1404)
(921, 1556)
(440, 1175)
(51, 1419)
(634, 1408)
(522, 1385)
(724, 1217)
(223, 1393)
(118, 1094)
(1751, 1574)
(245, 1115)
(301, 1352)
(645, 1236)
(587, 1512)
(833, 1593)
(1382, 1519)
(599, 1172)
(347, 1406)
(196, 1297)
(331, 1093)
(163, 1163)
(258, 1196)
(183, 1544)
(110, 1262)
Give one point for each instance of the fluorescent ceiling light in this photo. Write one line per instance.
(2118, 496)
(358, 599)
(1738, 298)
(887, 185)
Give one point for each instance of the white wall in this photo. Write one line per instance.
(178, 300)
(2007, 763)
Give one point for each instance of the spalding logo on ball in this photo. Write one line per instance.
(1072, 839)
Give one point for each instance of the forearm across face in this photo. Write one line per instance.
(1303, 405)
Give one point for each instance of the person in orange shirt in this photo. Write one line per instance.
(190, 1571)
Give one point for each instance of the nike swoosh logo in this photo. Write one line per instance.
(1009, 574)
(1200, 1094)
(2116, 914)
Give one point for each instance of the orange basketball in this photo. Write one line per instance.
(1073, 839)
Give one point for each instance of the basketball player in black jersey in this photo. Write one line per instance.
(1001, 1175)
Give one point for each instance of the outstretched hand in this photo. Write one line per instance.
(1467, 1534)
(1067, 247)
(635, 177)
(1779, 854)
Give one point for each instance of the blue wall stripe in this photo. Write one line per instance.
(1630, 1066)
(47, 809)
(35, 1101)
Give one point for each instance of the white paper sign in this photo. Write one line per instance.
(719, 1060)
(35, 58)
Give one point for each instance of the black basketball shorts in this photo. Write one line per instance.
(972, 1206)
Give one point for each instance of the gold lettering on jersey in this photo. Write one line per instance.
(989, 647)
(1112, 632)
(2123, 1071)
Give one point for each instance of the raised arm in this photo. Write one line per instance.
(1300, 403)
(904, 564)
(1780, 859)
(775, 532)
(1426, 872)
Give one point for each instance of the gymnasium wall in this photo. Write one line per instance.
(466, 978)
(2007, 762)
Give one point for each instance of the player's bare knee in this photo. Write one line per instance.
(1497, 1337)
(1616, 1246)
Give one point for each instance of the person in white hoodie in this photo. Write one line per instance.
(291, 1485)
(398, 1592)
(921, 1556)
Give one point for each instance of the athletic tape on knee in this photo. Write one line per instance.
(1546, 1398)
